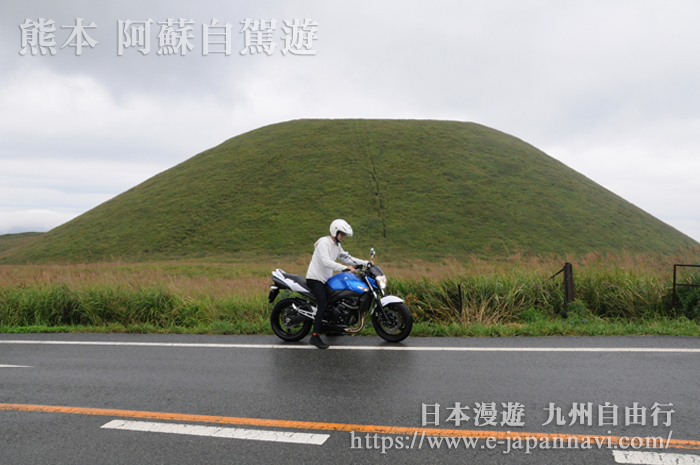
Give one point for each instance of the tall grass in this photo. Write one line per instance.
(58, 305)
(164, 295)
(497, 298)
(511, 290)
(231, 297)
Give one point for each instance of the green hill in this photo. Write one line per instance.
(8, 241)
(414, 188)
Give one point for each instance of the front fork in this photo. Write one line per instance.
(377, 301)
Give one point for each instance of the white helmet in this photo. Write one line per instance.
(340, 226)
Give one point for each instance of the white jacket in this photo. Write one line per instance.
(323, 263)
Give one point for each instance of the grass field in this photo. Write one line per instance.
(511, 296)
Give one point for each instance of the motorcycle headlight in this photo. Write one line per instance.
(381, 281)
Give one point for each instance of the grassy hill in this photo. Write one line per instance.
(414, 188)
(8, 241)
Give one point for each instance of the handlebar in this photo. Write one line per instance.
(359, 267)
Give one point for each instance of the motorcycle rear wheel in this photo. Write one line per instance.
(286, 322)
(398, 324)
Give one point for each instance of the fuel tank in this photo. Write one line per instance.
(349, 282)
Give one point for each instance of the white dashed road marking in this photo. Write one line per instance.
(218, 432)
(655, 458)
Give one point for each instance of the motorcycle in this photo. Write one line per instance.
(351, 297)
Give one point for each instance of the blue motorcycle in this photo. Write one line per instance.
(351, 297)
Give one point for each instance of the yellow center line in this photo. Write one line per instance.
(314, 425)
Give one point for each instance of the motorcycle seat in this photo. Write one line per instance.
(296, 278)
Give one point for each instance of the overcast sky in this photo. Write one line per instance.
(611, 88)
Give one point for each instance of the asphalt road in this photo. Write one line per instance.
(151, 399)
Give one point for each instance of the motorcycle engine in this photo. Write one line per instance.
(345, 312)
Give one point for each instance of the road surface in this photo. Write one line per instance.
(191, 399)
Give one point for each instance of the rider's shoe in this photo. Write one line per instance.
(318, 342)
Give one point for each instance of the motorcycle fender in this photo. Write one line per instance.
(274, 292)
(390, 299)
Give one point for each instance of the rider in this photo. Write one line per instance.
(323, 263)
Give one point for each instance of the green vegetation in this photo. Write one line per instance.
(513, 296)
(413, 189)
(452, 205)
(8, 241)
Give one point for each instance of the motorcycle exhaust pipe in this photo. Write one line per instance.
(360, 324)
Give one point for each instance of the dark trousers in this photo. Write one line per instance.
(319, 290)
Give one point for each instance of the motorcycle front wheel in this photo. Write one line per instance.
(396, 326)
(287, 323)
